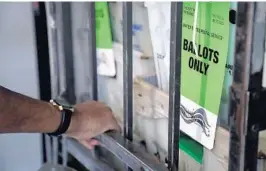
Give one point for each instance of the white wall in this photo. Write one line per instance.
(18, 71)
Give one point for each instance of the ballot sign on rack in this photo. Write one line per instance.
(203, 68)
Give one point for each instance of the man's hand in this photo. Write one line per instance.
(89, 120)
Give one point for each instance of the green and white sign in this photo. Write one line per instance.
(104, 43)
(203, 68)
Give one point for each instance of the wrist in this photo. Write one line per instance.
(65, 118)
(55, 118)
(73, 126)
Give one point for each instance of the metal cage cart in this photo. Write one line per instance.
(247, 111)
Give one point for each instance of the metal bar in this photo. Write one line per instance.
(84, 156)
(43, 62)
(69, 94)
(93, 56)
(64, 30)
(48, 148)
(53, 67)
(130, 153)
(243, 134)
(261, 165)
(174, 85)
(261, 20)
(63, 36)
(92, 49)
(55, 150)
(64, 151)
(53, 47)
(127, 70)
(59, 40)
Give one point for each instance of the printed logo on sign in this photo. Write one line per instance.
(198, 117)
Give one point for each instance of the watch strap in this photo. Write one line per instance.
(66, 115)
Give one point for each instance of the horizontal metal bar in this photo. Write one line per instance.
(84, 156)
(55, 167)
(130, 153)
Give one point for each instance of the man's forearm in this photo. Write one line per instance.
(19, 113)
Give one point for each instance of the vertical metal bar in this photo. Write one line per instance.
(93, 56)
(243, 132)
(174, 85)
(64, 151)
(92, 49)
(65, 30)
(42, 50)
(127, 70)
(65, 53)
(58, 61)
(261, 165)
(68, 52)
(59, 40)
(48, 148)
(55, 150)
(53, 47)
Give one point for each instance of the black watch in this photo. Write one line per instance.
(66, 114)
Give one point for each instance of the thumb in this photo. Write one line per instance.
(114, 125)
